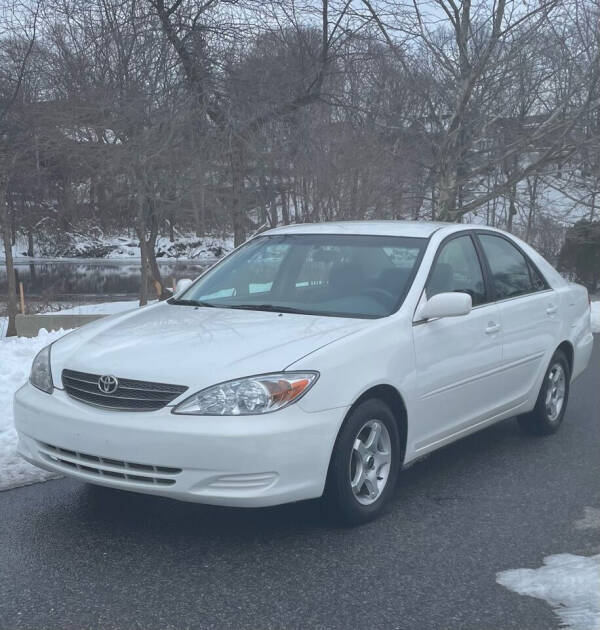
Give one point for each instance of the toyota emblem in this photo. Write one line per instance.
(108, 384)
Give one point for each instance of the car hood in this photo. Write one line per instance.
(196, 347)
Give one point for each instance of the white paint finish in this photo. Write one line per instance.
(422, 229)
(197, 347)
(182, 285)
(457, 362)
(446, 305)
(206, 448)
(455, 375)
(530, 325)
(595, 313)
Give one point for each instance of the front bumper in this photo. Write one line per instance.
(250, 461)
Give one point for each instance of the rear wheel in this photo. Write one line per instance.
(364, 464)
(551, 404)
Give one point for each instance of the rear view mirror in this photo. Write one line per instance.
(446, 305)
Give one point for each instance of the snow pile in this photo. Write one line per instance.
(590, 520)
(569, 583)
(185, 247)
(16, 356)
(596, 317)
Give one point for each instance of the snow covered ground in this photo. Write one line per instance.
(94, 244)
(569, 583)
(16, 355)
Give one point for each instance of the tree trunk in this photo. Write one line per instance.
(273, 218)
(237, 161)
(512, 208)
(532, 207)
(10, 267)
(447, 193)
(353, 205)
(144, 278)
(140, 229)
(159, 286)
(172, 228)
(198, 197)
(305, 201)
(148, 250)
(285, 208)
(295, 204)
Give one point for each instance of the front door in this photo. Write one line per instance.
(457, 358)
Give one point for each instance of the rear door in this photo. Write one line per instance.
(529, 312)
(457, 358)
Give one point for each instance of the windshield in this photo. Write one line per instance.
(324, 274)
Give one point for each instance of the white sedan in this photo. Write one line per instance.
(315, 360)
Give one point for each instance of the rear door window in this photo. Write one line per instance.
(509, 268)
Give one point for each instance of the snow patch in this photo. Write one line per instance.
(92, 243)
(590, 520)
(16, 356)
(569, 583)
(595, 317)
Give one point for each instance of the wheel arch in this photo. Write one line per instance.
(393, 399)
(566, 347)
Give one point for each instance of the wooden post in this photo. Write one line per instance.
(174, 285)
(22, 294)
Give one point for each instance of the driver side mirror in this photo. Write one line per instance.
(446, 305)
(182, 285)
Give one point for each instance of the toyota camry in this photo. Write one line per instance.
(313, 361)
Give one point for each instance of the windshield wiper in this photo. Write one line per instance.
(268, 307)
(190, 303)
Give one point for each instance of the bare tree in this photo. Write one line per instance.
(476, 60)
(18, 28)
(191, 31)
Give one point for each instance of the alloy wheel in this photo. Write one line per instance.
(555, 392)
(370, 462)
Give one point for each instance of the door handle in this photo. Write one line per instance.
(492, 328)
(552, 308)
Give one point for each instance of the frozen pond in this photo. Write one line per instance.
(78, 279)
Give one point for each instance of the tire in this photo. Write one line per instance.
(551, 404)
(364, 464)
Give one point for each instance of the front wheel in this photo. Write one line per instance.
(364, 464)
(551, 404)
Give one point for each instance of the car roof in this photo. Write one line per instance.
(418, 229)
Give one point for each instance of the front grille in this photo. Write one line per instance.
(106, 467)
(130, 395)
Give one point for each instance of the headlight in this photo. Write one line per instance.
(41, 374)
(249, 396)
